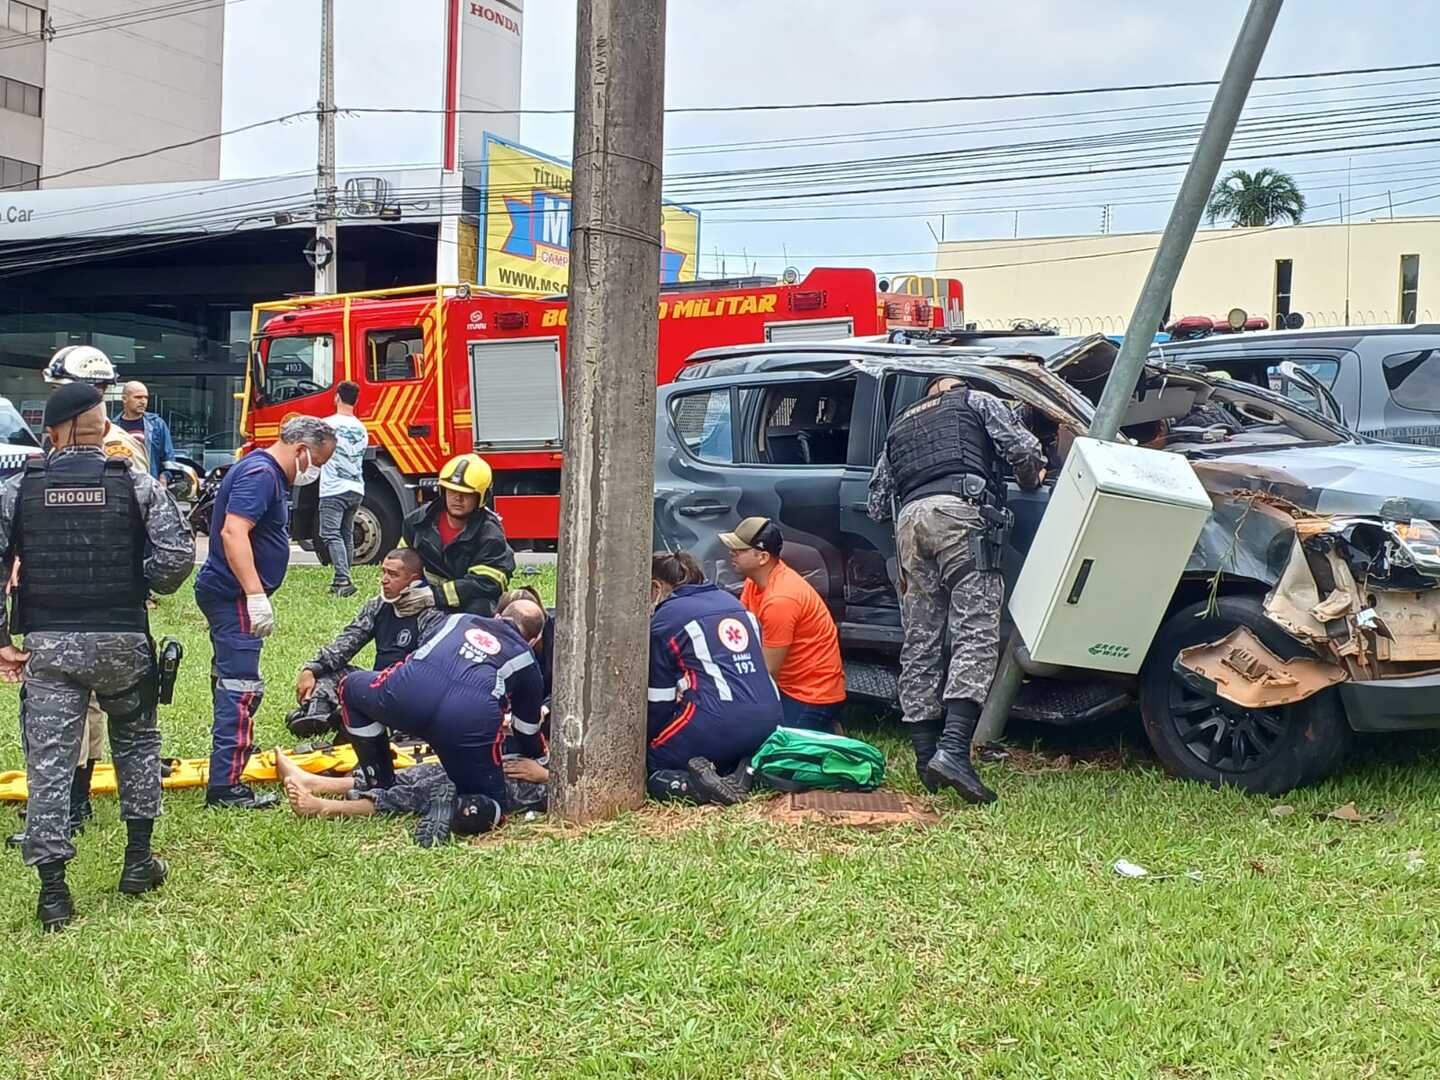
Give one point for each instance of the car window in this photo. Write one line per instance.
(702, 423)
(1325, 371)
(394, 355)
(1413, 379)
(801, 423)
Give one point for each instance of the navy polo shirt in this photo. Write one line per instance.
(256, 489)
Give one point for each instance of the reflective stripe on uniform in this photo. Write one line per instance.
(452, 597)
(524, 728)
(660, 693)
(490, 572)
(702, 653)
(516, 663)
(242, 686)
(429, 646)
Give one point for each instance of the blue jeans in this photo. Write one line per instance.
(337, 531)
(238, 689)
(801, 714)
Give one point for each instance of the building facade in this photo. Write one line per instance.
(97, 80)
(1365, 273)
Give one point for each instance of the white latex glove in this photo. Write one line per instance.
(262, 615)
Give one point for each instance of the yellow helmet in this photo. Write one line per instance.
(469, 473)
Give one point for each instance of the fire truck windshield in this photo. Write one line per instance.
(293, 366)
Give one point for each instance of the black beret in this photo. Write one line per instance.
(69, 401)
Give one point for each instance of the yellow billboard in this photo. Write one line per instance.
(525, 199)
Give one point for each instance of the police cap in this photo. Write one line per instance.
(69, 401)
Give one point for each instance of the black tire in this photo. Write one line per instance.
(1202, 737)
(377, 527)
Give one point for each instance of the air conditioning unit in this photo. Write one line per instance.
(1116, 536)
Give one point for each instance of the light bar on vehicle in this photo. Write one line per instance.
(807, 301)
(511, 320)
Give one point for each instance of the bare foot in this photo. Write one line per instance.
(286, 771)
(301, 801)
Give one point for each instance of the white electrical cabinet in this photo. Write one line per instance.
(1114, 541)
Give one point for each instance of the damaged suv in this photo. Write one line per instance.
(1310, 607)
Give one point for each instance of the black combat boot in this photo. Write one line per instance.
(142, 871)
(55, 911)
(669, 785)
(744, 777)
(708, 786)
(80, 809)
(239, 797)
(924, 737)
(950, 765)
(434, 828)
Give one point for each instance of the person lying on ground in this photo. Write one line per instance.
(397, 621)
(711, 700)
(425, 790)
(455, 692)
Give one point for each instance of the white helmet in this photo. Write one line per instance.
(80, 363)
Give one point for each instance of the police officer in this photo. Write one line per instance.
(87, 364)
(79, 524)
(454, 692)
(941, 468)
(467, 558)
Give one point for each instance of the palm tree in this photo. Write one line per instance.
(1264, 198)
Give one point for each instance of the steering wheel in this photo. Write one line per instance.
(1256, 413)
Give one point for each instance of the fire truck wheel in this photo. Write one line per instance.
(377, 527)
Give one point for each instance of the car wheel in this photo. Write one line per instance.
(377, 528)
(1200, 736)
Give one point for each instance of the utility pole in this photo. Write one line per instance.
(597, 756)
(325, 250)
(1159, 286)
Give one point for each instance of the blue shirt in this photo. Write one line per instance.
(257, 490)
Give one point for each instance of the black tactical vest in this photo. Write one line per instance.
(81, 543)
(395, 636)
(936, 443)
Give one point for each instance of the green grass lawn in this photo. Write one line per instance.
(722, 944)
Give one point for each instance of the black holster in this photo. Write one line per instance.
(990, 551)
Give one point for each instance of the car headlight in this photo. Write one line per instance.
(1419, 540)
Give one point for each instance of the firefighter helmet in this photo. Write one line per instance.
(469, 473)
(80, 363)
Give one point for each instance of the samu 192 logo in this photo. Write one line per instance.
(1105, 648)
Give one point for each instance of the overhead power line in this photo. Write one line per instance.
(953, 99)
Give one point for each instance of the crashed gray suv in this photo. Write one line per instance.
(1310, 607)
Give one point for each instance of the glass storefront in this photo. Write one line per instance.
(179, 320)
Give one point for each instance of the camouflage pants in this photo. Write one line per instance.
(64, 669)
(92, 745)
(935, 538)
(415, 787)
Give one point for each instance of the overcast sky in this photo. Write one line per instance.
(743, 51)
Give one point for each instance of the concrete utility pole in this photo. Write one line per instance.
(597, 756)
(325, 248)
(1175, 242)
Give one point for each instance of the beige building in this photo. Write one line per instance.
(111, 80)
(1333, 275)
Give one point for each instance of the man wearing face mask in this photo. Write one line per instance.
(249, 554)
(396, 620)
(93, 536)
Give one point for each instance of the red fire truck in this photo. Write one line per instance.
(446, 369)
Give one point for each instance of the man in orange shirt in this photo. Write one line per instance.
(801, 645)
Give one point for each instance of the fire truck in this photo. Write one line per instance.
(443, 370)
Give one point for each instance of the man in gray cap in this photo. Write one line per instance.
(79, 523)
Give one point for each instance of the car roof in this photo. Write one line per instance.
(750, 359)
(1315, 335)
